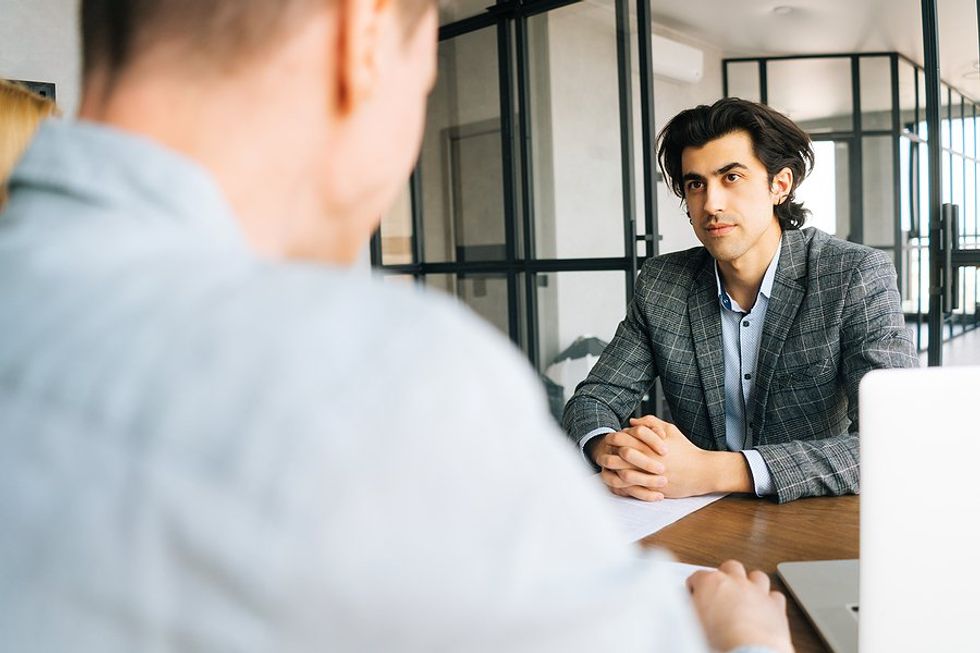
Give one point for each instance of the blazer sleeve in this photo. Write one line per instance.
(622, 375)
(873, 336)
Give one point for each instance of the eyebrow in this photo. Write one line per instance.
(725, 169)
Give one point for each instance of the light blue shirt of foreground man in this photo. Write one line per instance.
(213, 437)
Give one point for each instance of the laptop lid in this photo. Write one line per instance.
(827, 590)
(920, 514)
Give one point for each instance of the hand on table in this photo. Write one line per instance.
(652, 459)
(738, 609)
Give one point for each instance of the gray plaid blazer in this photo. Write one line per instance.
(835, 313)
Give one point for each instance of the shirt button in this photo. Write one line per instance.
(745, 323)
(748, 377)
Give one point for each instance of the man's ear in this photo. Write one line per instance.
(782, 185)
(360, 25)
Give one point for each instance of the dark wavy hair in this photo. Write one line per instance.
(777, 142)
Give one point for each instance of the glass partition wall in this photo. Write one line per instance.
(866, 115)
(528, 187)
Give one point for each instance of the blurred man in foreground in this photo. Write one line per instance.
(215, 437)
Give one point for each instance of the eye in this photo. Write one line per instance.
(693, 185)
(732, 177)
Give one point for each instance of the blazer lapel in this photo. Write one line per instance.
(705, 318)
(789, 287)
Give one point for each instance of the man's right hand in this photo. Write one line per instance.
(738, 609)
(624, 478)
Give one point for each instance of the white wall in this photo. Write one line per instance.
(670, 98)
(39, 41)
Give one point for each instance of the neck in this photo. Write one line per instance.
(261, 142)
(743, 276)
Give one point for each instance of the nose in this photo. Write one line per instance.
(714, 199)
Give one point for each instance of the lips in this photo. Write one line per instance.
(719, 229)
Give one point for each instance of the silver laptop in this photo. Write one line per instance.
(920, 522)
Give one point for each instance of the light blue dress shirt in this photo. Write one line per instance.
(741, 334)
(202, 450)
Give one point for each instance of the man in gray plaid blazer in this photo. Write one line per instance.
(759, 338)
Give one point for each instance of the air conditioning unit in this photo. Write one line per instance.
(676, 61)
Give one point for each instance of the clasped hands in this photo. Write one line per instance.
(652, 459)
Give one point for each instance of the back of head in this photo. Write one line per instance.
(217, 35)
(778, 143)
(214, 32)
(21, 111)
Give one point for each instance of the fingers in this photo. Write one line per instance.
(624, 439)
(760, 579)
(621, 450)
(627, 477)
(650, 438)
(733, 568)
(779, 599)
(614, 461)
(639, 460)
(697, 580)
(650, 421)
(644, 494)
(666, 430)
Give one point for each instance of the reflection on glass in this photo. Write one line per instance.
(956, 182)
(906, 94)
(970, 129)
(921, 117)
(485, 294)
(944, 114)
(396, 231)
(818, 192)
(923, 192)
(574, 308)
(816, 93)
(743, 80)
(876, 93)
(878, 194)
(575, 131)
(956, 123)
(842, 163)
(461, 165)
(947, 179)
(909, 175)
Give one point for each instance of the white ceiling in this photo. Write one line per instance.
(752, 27)
(815, 89)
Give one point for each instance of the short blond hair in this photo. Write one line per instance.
(21, 111)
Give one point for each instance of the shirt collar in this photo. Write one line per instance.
(127, 172)
(767, 280)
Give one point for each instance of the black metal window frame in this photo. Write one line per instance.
(509, 18)
(520, 264)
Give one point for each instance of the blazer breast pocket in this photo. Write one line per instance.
(815, 374)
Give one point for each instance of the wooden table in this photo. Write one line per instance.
(761, 534)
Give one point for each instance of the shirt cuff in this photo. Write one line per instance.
(752, 649)
(761, 477)
(602, 430)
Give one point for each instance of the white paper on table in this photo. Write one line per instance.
(678, 572)
(638, 519)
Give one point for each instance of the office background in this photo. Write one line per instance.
(536, 197)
